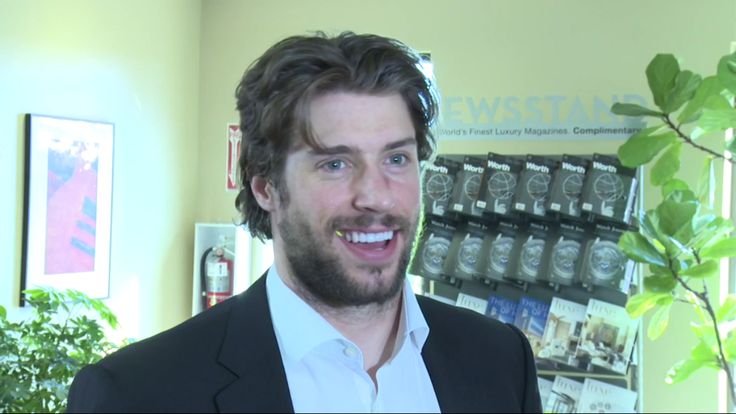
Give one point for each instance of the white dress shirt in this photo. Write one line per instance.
(325, 370)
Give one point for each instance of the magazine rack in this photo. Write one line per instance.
(483, 259)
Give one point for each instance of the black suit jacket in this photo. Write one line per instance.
(227, 360)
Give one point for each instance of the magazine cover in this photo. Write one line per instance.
(499, 184)
(534, 180)
(564, 396)
(562, 331)
(531, 316)
(545, 388)
(563, 260)
(438, 182)
(527, 252)
(609, 191)
(601, 397)
(471, 302)
(501, 308)
(607, 337)
(499, 243)
(433, 249)
(467, 186)
(567, 185)
(603, 262)
(466, 249)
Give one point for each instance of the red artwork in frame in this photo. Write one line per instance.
(68, 203)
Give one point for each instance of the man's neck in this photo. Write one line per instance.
(373, 327)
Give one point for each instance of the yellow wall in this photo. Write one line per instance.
(134, 63)
(487, 48)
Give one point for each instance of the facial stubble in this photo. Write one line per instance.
(324, 277)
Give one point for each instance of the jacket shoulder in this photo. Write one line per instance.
(174, 370)
(453, 321)
(488, 362)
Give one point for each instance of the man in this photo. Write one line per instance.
(334, 130)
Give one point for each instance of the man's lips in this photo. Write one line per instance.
(371, 246)
(357, 236)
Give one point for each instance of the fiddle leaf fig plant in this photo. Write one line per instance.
(682, 240)
(40, 356)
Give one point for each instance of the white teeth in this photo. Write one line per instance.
(360, 237)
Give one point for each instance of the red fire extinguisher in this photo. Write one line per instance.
(216, 272)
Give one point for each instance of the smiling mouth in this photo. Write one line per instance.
(366, 240)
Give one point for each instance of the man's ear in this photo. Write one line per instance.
(264, 192)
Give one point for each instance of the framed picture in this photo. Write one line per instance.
(68, 205)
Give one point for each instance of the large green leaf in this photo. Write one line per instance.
(727, 310)
(685, 235)
(682, 196)
(706, 269)
(706, 351)
(729, 348)
(726, 71)
(660, 283)
(643, 146)
(706, 335)
(673, 215)
(680, 252)
(707, 183)
(672, 185)
(640, 303)
(709, 87)
(650, 228)
(686, 83)
(717, 119)
(709, 230)
(659, 321)
(718, 115)
(682, 370)
(720, 249)
(638, 248)
(629, 109)
(649, 225)
(661, 73)
(667, 165)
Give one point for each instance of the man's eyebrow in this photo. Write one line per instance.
(401, 143)
(338, 149)
(345, 149)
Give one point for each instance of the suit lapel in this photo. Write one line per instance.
(438, 360)
(250, 351)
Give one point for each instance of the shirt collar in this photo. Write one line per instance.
(300, 329)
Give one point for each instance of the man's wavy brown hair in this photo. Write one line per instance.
(274, 94)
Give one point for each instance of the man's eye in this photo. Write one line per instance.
(334, 165)
(398, 159)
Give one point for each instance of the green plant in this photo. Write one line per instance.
(40, 356)
(682, 240)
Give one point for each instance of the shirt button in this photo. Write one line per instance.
(350, 352)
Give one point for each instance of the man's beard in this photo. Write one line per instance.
(317, 267)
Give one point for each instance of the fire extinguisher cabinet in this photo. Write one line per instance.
(238, 246)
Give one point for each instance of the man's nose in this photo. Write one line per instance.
(373, 191)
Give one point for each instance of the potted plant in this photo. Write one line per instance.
(682, 240)
(40, 356)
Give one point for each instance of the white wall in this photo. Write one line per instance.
(134, 63)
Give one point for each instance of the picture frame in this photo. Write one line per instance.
(67, 205)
